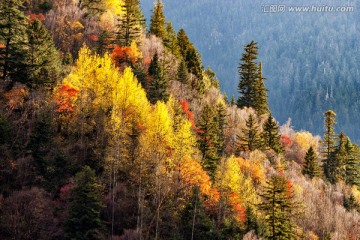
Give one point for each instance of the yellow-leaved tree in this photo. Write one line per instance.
(110, 111)
(236, 188)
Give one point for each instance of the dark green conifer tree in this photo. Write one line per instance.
(208, 140)
(329, 145)
(157, 21)
(40, 143)
(352, 175)
(43, 60)
(271, 136)
(193, 61)
(131, 24)
(171, 41)
(93, 8)
(194, 64)
(260, 101)
(195, 223)
(13, 37)
(213, 79)
(311, 166)
(84, 221)
(350, 203)
(182, 74)
(250, 138)
(279, 208)
(183, 42)
(158, 83)
(220, 119)
(232, 102)
(340, 158)
(248, 71)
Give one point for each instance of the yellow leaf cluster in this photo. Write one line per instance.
(304, 140)
(235, 179)
(356, 193)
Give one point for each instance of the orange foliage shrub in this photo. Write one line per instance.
(34, 16)
(239, 210)
(93, 37)
(192, 174)
(16, 97)
(125, 55)
(185, 106)
(65, 97)
(285, 141)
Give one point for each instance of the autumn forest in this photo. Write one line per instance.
(112, 128)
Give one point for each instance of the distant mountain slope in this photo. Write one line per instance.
(311, 59)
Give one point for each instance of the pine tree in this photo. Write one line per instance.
(271, 136)
(248, 71)
(232, 102)
(43, 59)
(339, 158)
(13, 25)
(260, 101)
(220, 119)
(92, 8)
(157, 25)
(352, 173)
(213, 79)
(158, 83)
(195, 223)
(84, 220)
(183, 42)
(311, 166)
(192, 59)
(170, 40)
(279, 207)
(250, 138)
(208, 140)
(329, 145)
(194, 64)
(182, 74)
(131, 23)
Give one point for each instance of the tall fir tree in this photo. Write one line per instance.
(352, 172)
(182, 74)
(195, 223)
(13, 40)
(250, 139)
(260, 101)
(183, 42)
(192, 59)
(131, 24)
(279, 207)
(208, 139)
(252, 90)
(43, 61)
(271, 136)
(171, 41)
(220, 118)
(158, 83)
(339, 158)
(157, 21)
(232, 101)
(84, 220)
(311, 166)
(329, 145)
(248, 71)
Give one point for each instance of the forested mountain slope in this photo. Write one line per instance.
(110, 129)
(306, 56)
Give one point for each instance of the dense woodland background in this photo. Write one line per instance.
(111, 127)
(305, 55)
